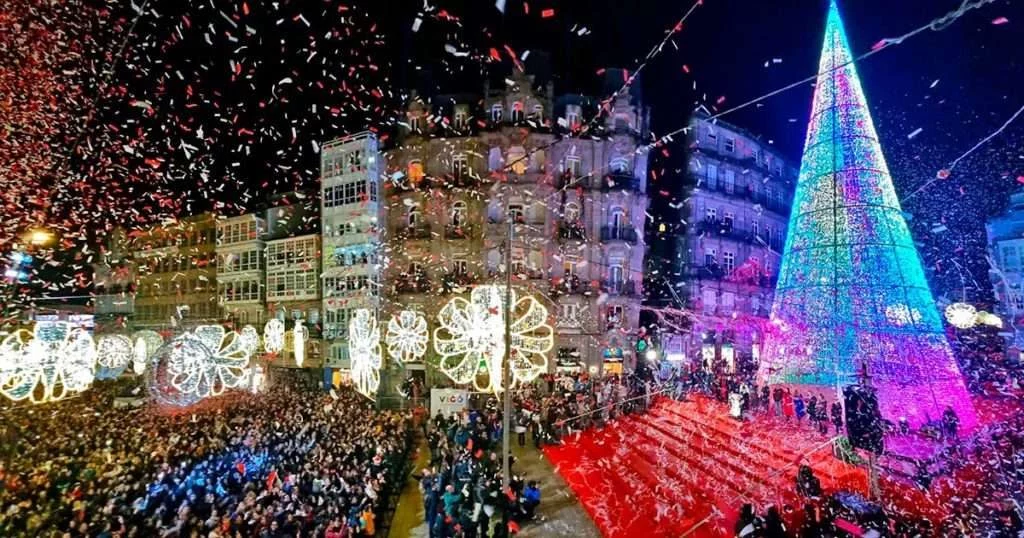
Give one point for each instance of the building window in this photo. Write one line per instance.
(414, 217)
(711, 214)
(619, 165)
(618, 217)
(573, 166)
(460, 166)
(572, 116)
(497, 111)
(616, 273)
(459, 213)
(569, 313)
(460, 267)
(728, 218)
(538, 112)
(518, 112)
(728, 301)
(730, 181)
(414, 123)
(730, 145)
(616, 314)
(710, 300)
(1010, 258)
(712, 176)
(416, 172)
(461, 118)
(517, 160)
(570, 268)
(728, 261)
(517, 213)
(710, 257)
(712, 137)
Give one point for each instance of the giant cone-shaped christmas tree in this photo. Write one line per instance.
(852, 295)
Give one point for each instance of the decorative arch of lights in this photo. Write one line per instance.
(50, 363)
(407, 336)
(471, 338)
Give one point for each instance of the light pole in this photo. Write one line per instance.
(506, 368)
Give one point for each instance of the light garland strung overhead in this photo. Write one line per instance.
(471, 338)
(407, 336)
(198, 364)
(273, 336)
(364, 352)
(147, 342)
(114, 353)
(961, 315)
(52, 362)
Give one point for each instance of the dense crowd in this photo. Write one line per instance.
(292, 462)
(462, 495)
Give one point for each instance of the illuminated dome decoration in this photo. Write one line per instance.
(273, 336)
(199, 364)
(364, 352)
(407, 336)
(851, 288)
(471, 338)
(47, 365)
(146, 344)
(961, 315)
(114, 353)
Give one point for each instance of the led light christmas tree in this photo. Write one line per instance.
(852, 295)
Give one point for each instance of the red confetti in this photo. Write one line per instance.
(547, 13)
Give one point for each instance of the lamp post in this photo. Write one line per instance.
(506, 368)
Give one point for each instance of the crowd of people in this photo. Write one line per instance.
(291, 462)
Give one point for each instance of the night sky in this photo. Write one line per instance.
(216, 104)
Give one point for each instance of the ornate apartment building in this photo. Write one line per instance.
(736, 213)
(467, 164)
(350, 216)
(241, 289)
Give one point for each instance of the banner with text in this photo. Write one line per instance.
(448, 401)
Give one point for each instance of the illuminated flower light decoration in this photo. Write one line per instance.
(989, 319)
(300, 334)
(147, 343)
(364, 351)
(961, 315)
(471, 338)
(250, 339)
(273, 336)
(407, 336)
(199, 364)
(114, 352)
(49, 364)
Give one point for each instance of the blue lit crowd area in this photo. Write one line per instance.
(293, 461)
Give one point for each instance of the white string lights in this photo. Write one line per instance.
(47, 365)
(114, 353)
(198, 364)
(273, 336)
(471, 338)
(407, 336)
(250, 339)
(299, 336)
(364, 351)
(147, 342)
(961, 315)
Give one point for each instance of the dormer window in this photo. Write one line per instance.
(497, 112)
(517, 112)
(572, 115)
(730, 145)
(461, 117)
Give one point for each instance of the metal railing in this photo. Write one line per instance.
(619, 233)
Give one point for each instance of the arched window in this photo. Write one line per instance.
(619, 165)
(494, 159)
(414, 217)
(497, 112)
(572, 212)
(459, 213)
(517, 112)
(618, 217)
(616, 273)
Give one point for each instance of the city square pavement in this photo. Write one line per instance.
(560, 513)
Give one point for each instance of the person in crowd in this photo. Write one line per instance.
(799, 408)
(812, 410)
(837, 416)
(777, 397)
(288, 462)
(950, 423)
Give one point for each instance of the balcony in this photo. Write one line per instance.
(619, 182)
(572, 285)
(737, 192)
(717, 272)
(619, 233)
(451, 282)
(408, 284)
(115, 303)
(572, 232)
(626, 288)
(418, 232)
(465, 231)
(568, 180)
